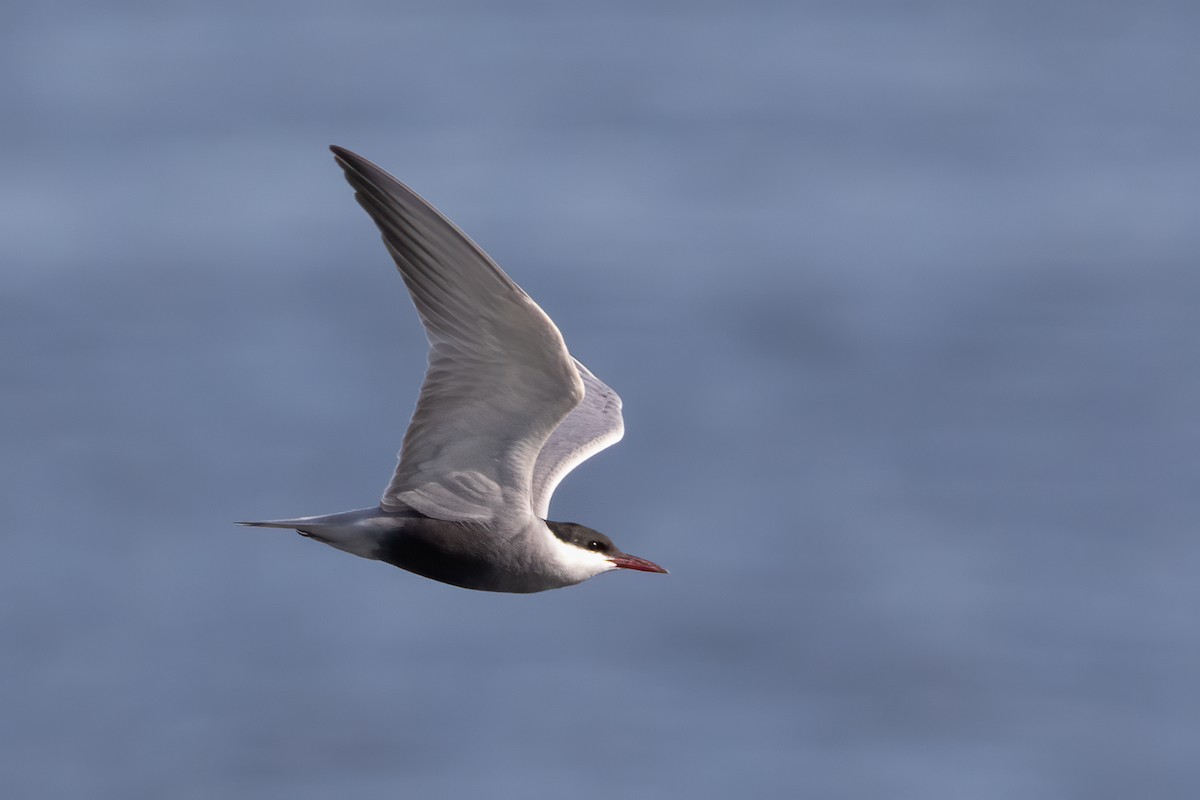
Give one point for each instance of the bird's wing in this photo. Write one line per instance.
(500, 379)
(591, 426)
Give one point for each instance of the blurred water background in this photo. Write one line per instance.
(902, 299)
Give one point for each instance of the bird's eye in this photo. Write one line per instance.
(595, 545)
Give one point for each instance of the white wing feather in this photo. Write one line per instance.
(500, 379)
(593, 425)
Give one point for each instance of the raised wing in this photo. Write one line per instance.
(500, 379)
(593, 425)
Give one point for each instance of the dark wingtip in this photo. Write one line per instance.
(352, 162)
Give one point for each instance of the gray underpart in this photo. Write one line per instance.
(459, 553)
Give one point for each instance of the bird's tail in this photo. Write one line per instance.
(305, 526)
(351, 531)
(296, 524)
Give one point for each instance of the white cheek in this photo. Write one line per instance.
(580, 563)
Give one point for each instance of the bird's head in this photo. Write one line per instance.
(583, 553)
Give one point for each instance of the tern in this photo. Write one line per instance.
(504, 413)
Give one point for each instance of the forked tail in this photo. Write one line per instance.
(276, 523)
(356, 532)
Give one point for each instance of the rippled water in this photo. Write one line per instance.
(902, 301)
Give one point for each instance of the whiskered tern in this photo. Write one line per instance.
(504, 414)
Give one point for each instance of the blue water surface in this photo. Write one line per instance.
(903, 301)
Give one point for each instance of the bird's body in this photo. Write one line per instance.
(504, 413)
(472, 555)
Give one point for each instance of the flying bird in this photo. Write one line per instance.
(504, 414)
